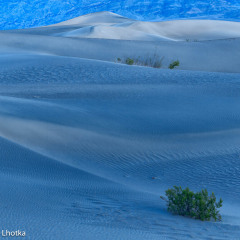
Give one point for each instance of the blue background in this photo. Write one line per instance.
(30, 13)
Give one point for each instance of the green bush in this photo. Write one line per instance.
(148, 61)
(198, 205)
(129, 61)
(174, 64)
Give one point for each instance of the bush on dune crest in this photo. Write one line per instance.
(174, 64)
(129, 61)
(153, 61)
(198, 205)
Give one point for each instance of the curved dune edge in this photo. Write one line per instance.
(107, 25)
(88, 150)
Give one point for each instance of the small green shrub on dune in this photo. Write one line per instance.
(174, 64)
(198, 205)
(153, 61)
(129, 61)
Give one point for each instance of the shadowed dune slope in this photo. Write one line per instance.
(102, 147)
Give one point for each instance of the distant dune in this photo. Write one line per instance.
(112, 26)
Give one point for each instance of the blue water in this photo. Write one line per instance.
(30, 13)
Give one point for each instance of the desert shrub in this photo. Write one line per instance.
(148, 61)
(174, 64)
(129, 61)
(198, 205)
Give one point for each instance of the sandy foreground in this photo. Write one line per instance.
(88, 144)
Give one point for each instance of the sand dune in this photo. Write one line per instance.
(88, 145)
(108, 25)
(96, 19)
(190, 30)
(111, 32)
(212, 56)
